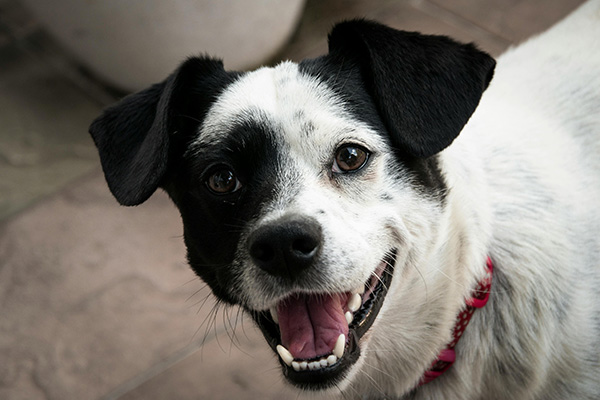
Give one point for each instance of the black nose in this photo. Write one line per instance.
(287, 246)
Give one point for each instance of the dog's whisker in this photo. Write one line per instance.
(234, 340)
(243, 313)
(195, 293)
(374, 382)
(473, 290)
(194, 279)
(189, 117)
(239, 319)
(201, 302)
(342, 393)
(211, 316)
(376, 368)
(424, 282)
(226, 320)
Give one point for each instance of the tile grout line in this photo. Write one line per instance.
(442, 13)
(160, 367)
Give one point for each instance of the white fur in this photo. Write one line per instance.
(524, 179)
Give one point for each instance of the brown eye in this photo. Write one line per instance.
(350, 158)
(223, 181)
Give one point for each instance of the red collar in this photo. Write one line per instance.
(480, 296)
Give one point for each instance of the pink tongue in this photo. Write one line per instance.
(311, 324)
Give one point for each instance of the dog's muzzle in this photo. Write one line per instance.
(316, 335)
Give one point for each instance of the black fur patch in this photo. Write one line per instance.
(213, 223)
(140, 138)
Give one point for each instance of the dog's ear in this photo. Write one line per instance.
(136, 136)
(424, 87)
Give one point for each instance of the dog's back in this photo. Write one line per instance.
(536, 139)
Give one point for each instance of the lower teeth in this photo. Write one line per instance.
(314, 365)
(325, 361)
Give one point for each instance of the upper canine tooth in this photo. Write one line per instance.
(360, 289)
(355, 302)
(273, 311)
(338, 349)
(285, 355)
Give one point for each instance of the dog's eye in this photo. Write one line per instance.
(350, 158)
(223, 181)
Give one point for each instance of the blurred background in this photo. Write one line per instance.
(96, 300)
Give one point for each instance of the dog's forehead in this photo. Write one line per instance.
(293, 103)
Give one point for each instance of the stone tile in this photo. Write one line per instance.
(513, 20)
(246, 369)
(93, 294)
(43, 141)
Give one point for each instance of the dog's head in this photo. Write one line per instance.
(305, 188)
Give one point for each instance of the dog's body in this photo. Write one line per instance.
(297, 184)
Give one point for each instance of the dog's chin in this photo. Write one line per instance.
(304, 372)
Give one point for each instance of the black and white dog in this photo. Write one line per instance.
(336, 203)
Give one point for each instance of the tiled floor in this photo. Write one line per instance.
(96, 300)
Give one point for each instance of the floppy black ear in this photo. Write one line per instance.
(424, 87)
(135, 137)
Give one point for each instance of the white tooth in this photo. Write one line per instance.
(273, 311)
(360, 289)
(338, 349)
(349, 317)
(331, 360)
(296, 365)
(323, 362)
(285, 355)
(314, 365)
(303, 366)
(355, 302)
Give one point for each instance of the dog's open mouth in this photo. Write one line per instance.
(317, 335)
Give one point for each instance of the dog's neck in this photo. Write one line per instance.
(447, 356)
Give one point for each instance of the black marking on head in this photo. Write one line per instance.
(283, 80)
(386, 197)
(299, 115)
(213, 224)
(307, 128)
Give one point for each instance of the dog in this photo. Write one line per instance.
(401, 217)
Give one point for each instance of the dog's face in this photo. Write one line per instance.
(309, 191)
